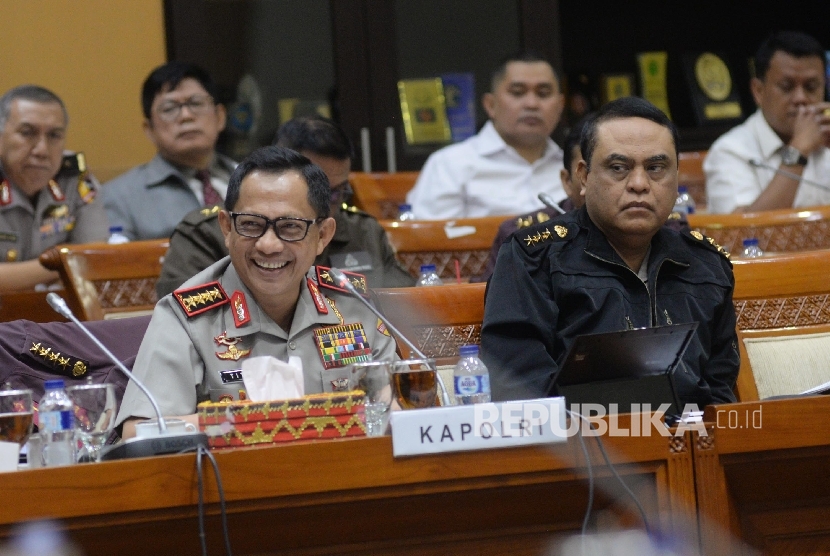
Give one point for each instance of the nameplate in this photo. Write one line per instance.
(478, 427)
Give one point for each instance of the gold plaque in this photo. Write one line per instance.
(614, 86)
(653, 79)
(713, 77)
(424, 111)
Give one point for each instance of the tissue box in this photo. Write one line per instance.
(246, 423)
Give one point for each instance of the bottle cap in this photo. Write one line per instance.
(468, 350)
(427, 268)
(116, 229)
(50, 384)
(749, 242)
(682, 189)
(404, 208)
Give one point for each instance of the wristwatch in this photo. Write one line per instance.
(790, 156)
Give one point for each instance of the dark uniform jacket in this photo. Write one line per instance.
(359, 245)
(31, 353)
(561, 278)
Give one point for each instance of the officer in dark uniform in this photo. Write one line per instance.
(359, 243)
(612, 265)
(47, 196)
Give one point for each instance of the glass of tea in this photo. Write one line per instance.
(414, 381)
(15, 415)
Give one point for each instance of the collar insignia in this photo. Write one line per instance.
(700, 237)
(56, 191)
(199, 299)
(233, 353)
(240, 309)
(319, 301)
(63, 364)
(5, 193)
(358, 280)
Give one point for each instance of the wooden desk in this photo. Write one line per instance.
(766, 474)
(353, 497)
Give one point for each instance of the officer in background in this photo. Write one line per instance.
(359, 243)
(266, 298)
(47, 197)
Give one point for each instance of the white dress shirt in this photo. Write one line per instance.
(732, 182)
(484, 176)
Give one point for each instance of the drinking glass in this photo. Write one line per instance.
(415, 383)
(15, 415)
(375, 379)
(94, 415)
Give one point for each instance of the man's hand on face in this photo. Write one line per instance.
(811, 130)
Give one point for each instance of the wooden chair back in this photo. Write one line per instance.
(28, 305)
(381, 193)
(690, 173)
(438, 319)
(442, 242)
(782, 230)
(776, 296)
(109, 281)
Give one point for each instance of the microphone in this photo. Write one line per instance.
(550, 203)
(343, 281)
(758, 164)
(166, 442)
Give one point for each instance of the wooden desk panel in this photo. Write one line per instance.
(352, 496)
(770, 483)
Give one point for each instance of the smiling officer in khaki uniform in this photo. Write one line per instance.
(265, 299)
(46, 197)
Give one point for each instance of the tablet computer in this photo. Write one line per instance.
(625, 367)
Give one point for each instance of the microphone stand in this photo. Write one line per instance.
(166, 442)
(550, 203)
(792, 175)
(344, 283)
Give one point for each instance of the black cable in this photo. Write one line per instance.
(203, 451)
(614, 472)
(582, 444)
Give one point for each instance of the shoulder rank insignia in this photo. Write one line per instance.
(5, 193)
(207, 211)
(201, 298)
(702, 238)
(541, 235)
(240, 309)
(232, 353)
(64, 364)
(319, 301)
(325, 280)
(56, 191)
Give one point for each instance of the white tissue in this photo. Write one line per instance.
(267, 378)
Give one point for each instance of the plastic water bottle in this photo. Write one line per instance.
(429, 276)
(472, 380)
(57, 425)
(751, 249)
(117, 235)
(684, 203)
(405, 213)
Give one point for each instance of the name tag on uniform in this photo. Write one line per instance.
(231, 376)
(356, 261)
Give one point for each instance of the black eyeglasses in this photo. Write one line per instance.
(287, 229)
(170, 110)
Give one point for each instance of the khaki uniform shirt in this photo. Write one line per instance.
(66, 211)
(182, 360)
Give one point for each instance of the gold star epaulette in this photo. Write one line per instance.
(704, 240)
(63, 364)
(207, 211)
(326, 280)
(201, 298)
(542, 234)
(531, 219)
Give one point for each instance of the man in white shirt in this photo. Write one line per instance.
(502, 169)
(779, 156)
